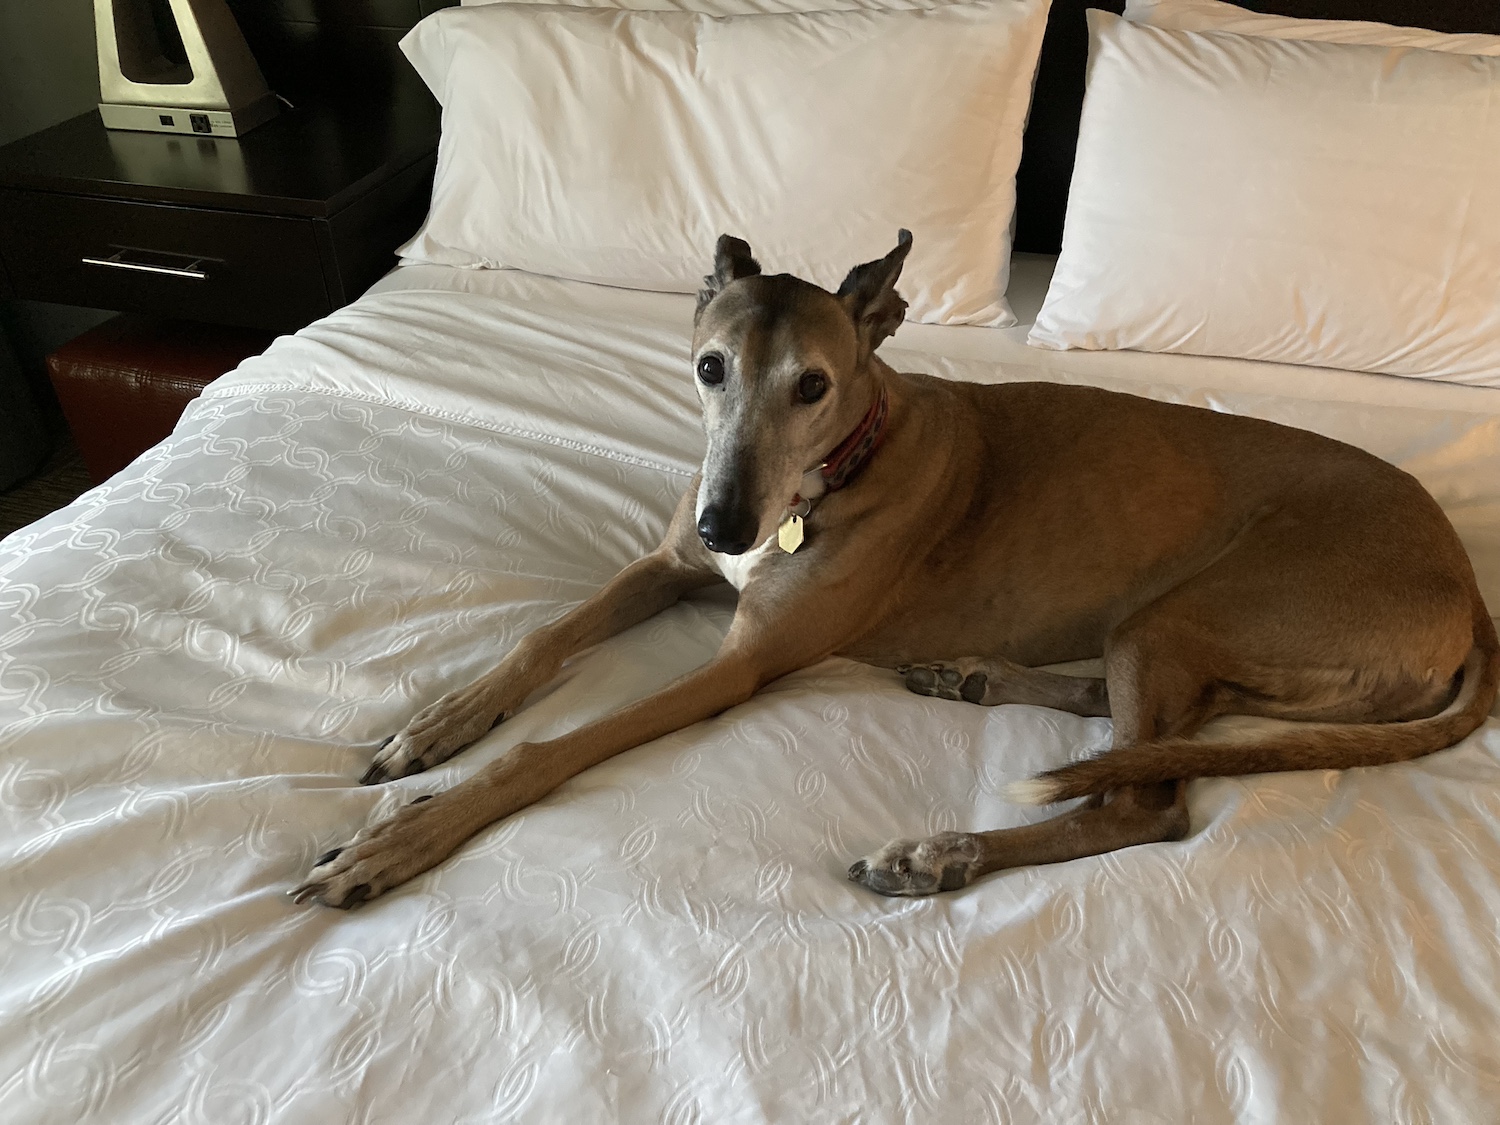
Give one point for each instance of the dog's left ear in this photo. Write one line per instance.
(869, 294)
(732, 260)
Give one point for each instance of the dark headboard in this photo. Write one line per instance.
(332, 48)
(1052, 133)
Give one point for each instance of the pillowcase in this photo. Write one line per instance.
(1294, 201)
(615, 147)
(1215, 15)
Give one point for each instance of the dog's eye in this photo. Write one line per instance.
(812, 386)
(711, 369)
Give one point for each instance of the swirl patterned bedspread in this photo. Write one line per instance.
(197, 659)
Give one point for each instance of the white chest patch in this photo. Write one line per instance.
(737, 568)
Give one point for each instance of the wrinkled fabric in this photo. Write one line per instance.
(198, 658)
(1216, 15)
(1283, 199)
(616, 147)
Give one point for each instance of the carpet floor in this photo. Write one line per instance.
(60, 481)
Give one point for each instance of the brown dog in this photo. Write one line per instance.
(968, 534)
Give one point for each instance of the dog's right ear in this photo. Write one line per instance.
(869, 294)
(732, 260)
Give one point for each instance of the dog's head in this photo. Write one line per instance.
(783, 369)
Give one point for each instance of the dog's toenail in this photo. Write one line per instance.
(386, 743)
(857, 869)
(327, 857)
(902, 669)
(373, 775)
(423, 797)
(356, 896)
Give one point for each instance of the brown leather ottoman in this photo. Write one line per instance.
(124, 384)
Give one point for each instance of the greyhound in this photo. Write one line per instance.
(966, 536)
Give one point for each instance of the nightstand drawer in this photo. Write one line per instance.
(228, 267)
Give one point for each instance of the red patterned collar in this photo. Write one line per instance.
(852, 454)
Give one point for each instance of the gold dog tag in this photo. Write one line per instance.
(789, 534)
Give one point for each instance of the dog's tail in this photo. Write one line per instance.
(1330, 746)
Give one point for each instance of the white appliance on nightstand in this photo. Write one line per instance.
(177, 66)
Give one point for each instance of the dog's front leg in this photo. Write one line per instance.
(427, 831)
(643, 588)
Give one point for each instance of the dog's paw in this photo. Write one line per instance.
(944, 862)
(436, 733)
(383, 856)
(960, 680)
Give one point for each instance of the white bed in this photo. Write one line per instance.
(198, 658)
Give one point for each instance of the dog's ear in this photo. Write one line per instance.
(732, 260)
(869, 294)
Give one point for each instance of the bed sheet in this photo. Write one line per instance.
(198, 657)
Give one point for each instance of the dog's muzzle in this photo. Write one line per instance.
(724, 532)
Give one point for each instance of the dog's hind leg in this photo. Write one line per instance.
(1151, 698)
(992, 681)
(950, 860)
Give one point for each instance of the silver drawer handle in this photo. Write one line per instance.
(116, 261)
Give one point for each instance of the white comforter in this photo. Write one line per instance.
(197, 659)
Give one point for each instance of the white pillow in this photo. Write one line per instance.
(1215, 15)
(1295, 201)
(615, 147)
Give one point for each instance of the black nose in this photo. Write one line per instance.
(719, 532)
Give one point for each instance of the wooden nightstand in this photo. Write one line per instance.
(266, 233)
(270, 231)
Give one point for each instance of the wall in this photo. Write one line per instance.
(47, 74)
(47, 68)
